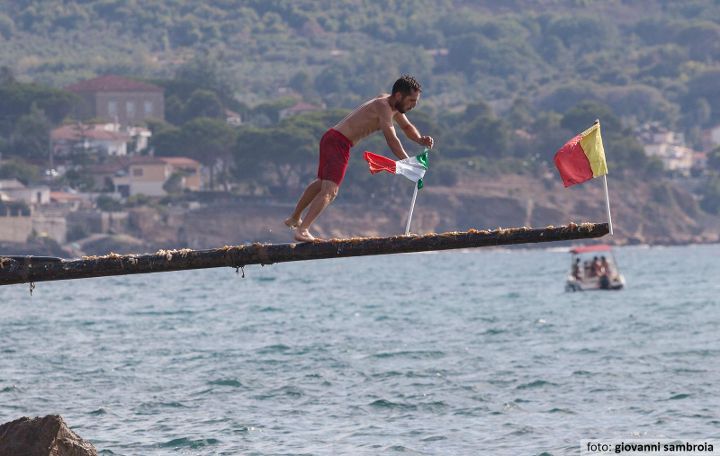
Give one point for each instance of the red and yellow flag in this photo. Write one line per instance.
(582, 158)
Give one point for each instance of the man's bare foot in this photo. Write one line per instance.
(292, 222)
(304, 236)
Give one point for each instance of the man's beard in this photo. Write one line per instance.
(399, 107)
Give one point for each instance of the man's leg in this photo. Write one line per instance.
(308, 195)
(328, 192)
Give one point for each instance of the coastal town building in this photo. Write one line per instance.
(26, 211)
(149, 175)
(98, 139)
(74, 139)
(233, 118)
(14, 190)
(117, 99)
(670, 148)
(15, 222)
(68, 201)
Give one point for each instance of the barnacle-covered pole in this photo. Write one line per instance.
(19, 269)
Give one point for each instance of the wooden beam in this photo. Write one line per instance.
(27, 270)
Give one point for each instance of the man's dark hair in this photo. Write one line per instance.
(406, 85)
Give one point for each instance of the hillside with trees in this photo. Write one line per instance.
(648, 60)
(505, 83)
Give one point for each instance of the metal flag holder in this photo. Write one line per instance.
(412, 204)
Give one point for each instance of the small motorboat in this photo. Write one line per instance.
(593, 267)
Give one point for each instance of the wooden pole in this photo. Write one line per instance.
(25, 270)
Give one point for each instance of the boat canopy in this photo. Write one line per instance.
(591, 248)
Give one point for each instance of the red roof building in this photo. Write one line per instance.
(111, 83)
(117, 99)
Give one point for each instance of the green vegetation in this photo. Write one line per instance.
(647, 59)
(506, 82)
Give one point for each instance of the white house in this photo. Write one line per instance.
(70, 139)
(14, 190)
(711, 138)
(669, 147)
(148, 175)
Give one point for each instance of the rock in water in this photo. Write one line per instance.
(48, 436)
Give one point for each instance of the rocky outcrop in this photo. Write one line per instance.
(47, 436)
(643, 213)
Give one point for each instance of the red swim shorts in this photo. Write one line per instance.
(334, 156)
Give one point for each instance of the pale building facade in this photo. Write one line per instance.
(116, 99)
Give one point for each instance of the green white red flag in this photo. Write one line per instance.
(413, 168)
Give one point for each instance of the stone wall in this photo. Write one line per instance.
(15, 228)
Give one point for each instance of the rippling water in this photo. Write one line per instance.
(457, 353)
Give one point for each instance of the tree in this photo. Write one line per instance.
(78, 180)
(581, 116)
(211, 142)
(711, 196)
(713, 160)
(19, 99)
(7, 76)
(7, 26)
(301, 82)
(204, 103)
(463, 50)
(175, 110)
(31, 135)
(701, 114)
(477, 110)
(488, 135)
(521, 113)
(108, 204)
(704, 85)
(185, 32)
(174, 183)
(167, 141)
(20, 170)
(333, 79)
(702, 39)
(642, 102)
(281, 156)
(209, 72)
(582, 32)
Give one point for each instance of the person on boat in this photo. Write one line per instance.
(605, 267)
(576, 269)
(596, 267)
(378, 113)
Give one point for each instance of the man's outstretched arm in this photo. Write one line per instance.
(412, 133)
(388, 129)
(393, 141)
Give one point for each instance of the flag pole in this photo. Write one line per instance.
(607, 195)
(412, 206)
(607, 203)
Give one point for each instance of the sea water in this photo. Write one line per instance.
(453, 353)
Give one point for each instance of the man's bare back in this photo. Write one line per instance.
(365, 119)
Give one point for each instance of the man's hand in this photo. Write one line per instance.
(426, 141)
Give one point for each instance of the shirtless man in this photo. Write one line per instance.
(373, 115)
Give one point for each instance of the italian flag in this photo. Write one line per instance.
(582, 158)
(413, 168)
